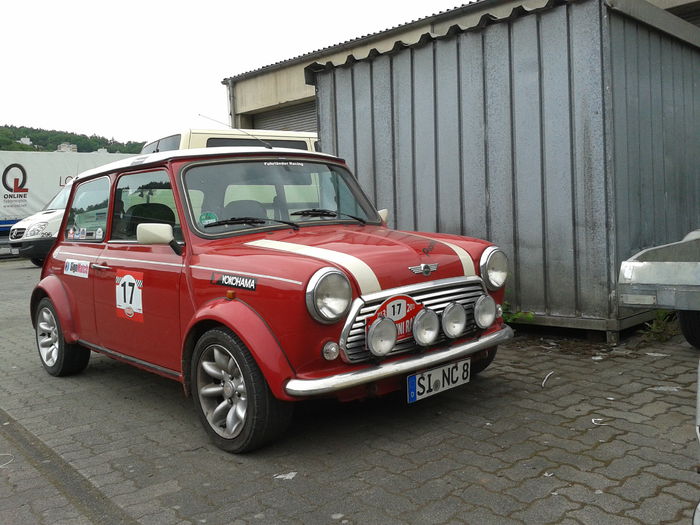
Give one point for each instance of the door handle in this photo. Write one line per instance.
(101, 266)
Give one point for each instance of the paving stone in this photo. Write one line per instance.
(551, 509)
(664, 508)
(639, 487)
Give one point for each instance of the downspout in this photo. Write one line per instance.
(231, 87)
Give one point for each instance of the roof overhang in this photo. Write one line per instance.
(474, 17)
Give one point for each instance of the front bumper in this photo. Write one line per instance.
(32, 249)
(327, 385)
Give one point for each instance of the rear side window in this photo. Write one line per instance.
(87, 217)
(219, 142)
(165, 144)
(169, 143)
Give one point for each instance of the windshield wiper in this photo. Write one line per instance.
(320, 212)
(251, 221)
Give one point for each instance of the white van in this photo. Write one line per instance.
(33, 237)
(212, 138)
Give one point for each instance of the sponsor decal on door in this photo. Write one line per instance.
(76, 268)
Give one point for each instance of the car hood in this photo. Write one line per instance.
(375, 257)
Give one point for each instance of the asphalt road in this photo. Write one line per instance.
(607, 439)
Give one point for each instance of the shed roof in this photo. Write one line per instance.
(467, 18)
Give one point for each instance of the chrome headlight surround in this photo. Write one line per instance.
(328, 295)
(36, 229)
(494, 267)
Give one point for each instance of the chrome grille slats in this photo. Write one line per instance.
(436, 295)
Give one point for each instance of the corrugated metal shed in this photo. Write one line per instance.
(564, 131)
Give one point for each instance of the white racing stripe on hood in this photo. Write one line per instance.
(464, 257)
(359, 269)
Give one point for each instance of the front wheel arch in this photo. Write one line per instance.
(255, 334)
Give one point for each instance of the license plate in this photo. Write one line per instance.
(439, 379)
(14, 251)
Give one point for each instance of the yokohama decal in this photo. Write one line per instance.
(129, 295)
(233, 281)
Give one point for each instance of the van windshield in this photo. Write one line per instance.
(60, 199)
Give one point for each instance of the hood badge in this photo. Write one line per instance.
(425, 269)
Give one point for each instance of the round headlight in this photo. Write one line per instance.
(328, 295)
(381, 336)
(485, 311)
(494, 268)
(454, 319)
(426, 327)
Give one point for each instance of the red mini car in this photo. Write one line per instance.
(258, 277)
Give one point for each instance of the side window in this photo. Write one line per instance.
(143, 198)
(87, 217)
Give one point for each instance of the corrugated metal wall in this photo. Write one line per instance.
(496, 133)
(656, 135)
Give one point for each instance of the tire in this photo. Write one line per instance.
(484, 363)
(231, 396)
(37, 262)
(58, 357)
(690, 326)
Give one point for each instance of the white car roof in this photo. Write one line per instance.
(152, 158)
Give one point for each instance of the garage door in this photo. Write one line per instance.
(300, 117)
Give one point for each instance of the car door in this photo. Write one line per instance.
(82, 242)
(138, 285)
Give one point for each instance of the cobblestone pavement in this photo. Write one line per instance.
(608, 439)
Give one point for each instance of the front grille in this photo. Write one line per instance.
(17, 233)
(436, 296)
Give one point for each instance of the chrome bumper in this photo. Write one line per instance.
(326, 385)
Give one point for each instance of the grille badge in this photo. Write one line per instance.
(425, 269)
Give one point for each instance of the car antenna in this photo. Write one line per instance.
(266, 144)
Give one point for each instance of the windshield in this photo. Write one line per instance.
(233, 196)
(60, 199)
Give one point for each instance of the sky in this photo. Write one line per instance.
(138, 70)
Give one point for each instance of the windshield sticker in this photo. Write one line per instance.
(233, 281)
(77, 268)
(129, 288)
(99, 233)
(284, 163)
(207, 217)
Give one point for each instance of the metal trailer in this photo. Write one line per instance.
(666, 276)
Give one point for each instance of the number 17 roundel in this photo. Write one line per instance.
(129, 286)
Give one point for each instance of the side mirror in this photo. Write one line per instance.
(153, 233)
(384, 214)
